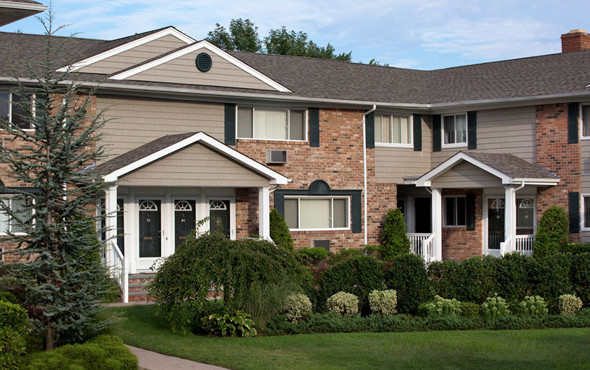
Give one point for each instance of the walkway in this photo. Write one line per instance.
(149, 360)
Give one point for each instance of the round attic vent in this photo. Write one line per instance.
(203, 62)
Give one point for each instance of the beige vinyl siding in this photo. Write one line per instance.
(183, 70)
(507, 130)
(135, 56)
(392, 164)
(194, 166)
(132, 122)
(465, 175)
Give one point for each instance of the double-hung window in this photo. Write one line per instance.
(525, 213)
(17, 206)
(455, 211)
(585, 118)
(271, 124)
(315, 212)
(12, 110)
(586, 212)
(393, 130)
(455, 130)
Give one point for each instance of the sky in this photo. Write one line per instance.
(419, 34)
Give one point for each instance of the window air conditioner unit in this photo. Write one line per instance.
(276, 156)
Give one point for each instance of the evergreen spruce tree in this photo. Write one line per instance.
(279, 231)
(394, 240)
(57, 240)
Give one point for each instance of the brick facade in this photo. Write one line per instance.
(555, 154)
(458, 242)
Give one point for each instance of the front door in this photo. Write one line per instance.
(422, 211)
(219, 216)
(150, 240)
(495, 225)
(184, 220)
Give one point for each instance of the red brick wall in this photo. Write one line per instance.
(575, 40)
(458, 242)
(338, 161)
(556, 155)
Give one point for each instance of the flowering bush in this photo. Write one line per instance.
(440, 307)
(569, 304)
(343, 303)
(533, 306)
(297, 307)
(383, 301)
(494, 307)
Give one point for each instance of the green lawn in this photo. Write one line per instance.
(550, 348)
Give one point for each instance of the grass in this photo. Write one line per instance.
(550, 348)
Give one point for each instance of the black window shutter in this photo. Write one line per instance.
(230, 124)
(280, 202)
(356, 213)
(574, 211)
(436, 134)
(314, 127)
(572, 123)
(370, 130)
(471, 130)
(417, 133)
(470, 211)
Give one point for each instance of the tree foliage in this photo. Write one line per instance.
(552, 232)
(57, 239)
(279, 232)
(243, 36)
(393, 239)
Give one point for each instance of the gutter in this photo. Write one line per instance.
(365, 170)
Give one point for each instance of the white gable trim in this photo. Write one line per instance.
(128, 46)
(276, 178)
(22, 6)
(201, 45)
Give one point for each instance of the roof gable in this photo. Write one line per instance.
(179, 67)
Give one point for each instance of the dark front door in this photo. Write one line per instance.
(423, 209)
(121, 225)
(495, 222)
(219, 216)
(184, 220)
(150, 242)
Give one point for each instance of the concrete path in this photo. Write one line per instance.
(149, 360)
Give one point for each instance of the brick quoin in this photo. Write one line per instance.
(555, 154)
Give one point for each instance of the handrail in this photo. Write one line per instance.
(119, 270)
(506, 243)
(427, 252)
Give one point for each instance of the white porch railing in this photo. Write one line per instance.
(523, 244)
(118, 269)
(506, 246)
(422, 245)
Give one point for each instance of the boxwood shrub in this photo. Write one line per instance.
(406, 274)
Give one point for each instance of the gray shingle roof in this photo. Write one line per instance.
(512, 165)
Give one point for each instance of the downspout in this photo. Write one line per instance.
(365, 169)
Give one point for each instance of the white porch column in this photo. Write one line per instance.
(437, 223)
(110, 211)
(509, 217)
(264, 212)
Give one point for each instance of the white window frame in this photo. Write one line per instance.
(322, 197)
(581, 122)
(583, 225)
(534, 227)
(442, 130)
(3, 231)
(33, 108)
(286, 110)
(444, 207)
(410, 132)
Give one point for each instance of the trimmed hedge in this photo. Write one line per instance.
(103, 352)
(13, 325)
(407, 276)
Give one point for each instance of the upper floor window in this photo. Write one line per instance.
(11, 110)
(396, 130)
(585, 116)
(316, 212)
(7, 224)
(272, 124)
(455, 130)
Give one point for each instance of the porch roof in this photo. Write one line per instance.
(509, 168)
(155, 150)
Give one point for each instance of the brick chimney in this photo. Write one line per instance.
(575, 40)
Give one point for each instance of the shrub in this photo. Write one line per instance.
(343, 303)
(393, 239)
(8, 297)
(580, 276)
(550, 277)
(469, 309)
(533, 306)
(494, 307)
(383, 302)
(552, 232)
(103, 352)
(358, 276)
(471, 280)
(13, 316)
(512, 277)
(230, 324)
(440, 307)
(569, 304)
(577, 248)
(344, 255)
(313, 255)
(13, 324)
(279, 232)
(297, 307)
(407, 275)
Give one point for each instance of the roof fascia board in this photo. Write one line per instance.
(426, 179)
(276, 178)
(128, 46)
(22, 6)
(538, 182)
(212, 48)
